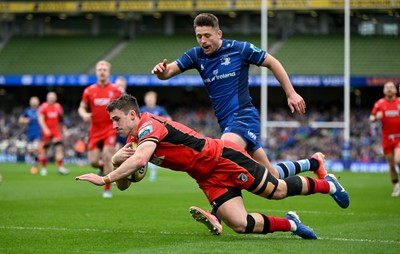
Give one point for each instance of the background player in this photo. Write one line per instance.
(221, 169)
(224, 68)
(150, 101)
(33, 132)
(120, 81)
(102, 136)
(51, 123)
(387, 110)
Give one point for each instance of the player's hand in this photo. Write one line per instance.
(87, 117)
(122, 155)
(379, 115)
(297, 103)
(92, 178)
(46, 131)
(160, 67)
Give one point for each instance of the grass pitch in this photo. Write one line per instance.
(56, 214)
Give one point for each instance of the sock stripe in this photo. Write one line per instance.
(311, 185)
(283, 170)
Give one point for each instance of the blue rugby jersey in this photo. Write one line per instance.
(225, 74)
(33, 129)
(157, 110)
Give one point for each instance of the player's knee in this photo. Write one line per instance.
(244, 226)
(239, 226)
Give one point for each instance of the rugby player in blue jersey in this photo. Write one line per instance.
(150, 101)
(224, 68)
(33, 132)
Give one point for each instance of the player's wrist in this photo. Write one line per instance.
(106, 179)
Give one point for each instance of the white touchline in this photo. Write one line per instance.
(182, 233)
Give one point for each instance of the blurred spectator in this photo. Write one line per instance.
(283, 143)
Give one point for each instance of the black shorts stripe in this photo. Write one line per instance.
(254, 168)
(231, 193)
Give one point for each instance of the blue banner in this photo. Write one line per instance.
(190, 80)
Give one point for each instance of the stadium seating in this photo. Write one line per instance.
(53, 54)
(300, 54)
(321, 55)
(142, 53)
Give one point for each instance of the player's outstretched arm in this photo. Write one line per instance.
(92, 178)
(165, 71)
(295, 101)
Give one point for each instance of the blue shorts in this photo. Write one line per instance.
(34, 137)
(121, 140)
(246, 124)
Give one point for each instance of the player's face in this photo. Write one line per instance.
(208, 38)
(121, 84)
(51, 98)
(150, 100)
(34, 102)
(102, 72)
(389, 90)
(123, 124)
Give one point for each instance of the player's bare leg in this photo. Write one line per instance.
(107, 153)
(234, 214)
(390, 158)
(59, 156)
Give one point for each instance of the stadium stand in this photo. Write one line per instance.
(319, 55)
(300, 54)
(53, 54)
(142, 53)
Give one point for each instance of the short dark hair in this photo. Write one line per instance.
(206, 19)
(125, 103)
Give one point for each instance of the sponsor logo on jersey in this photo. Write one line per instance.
(242, 177)
(226, 60)
(219, 77)
(391, 113)
(52, 114)
(110, 94)
(145, 131)
(254, 48)
(111, 140)
(101, 101)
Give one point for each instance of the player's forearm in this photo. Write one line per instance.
(127, 168)
(82, 112)
(281, 75)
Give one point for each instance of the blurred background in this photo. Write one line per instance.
(54, 46)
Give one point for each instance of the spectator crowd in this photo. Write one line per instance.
(284, 143)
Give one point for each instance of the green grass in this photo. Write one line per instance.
(56, 214)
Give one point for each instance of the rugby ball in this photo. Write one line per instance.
(139, 174)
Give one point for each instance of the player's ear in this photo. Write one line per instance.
(132, 114)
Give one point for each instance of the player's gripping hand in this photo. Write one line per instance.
(92, 178)
(160, 67)
(122, 155)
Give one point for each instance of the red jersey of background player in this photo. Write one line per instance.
(178, 147)
(390, 116)
(97, 97)
(52, 115)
